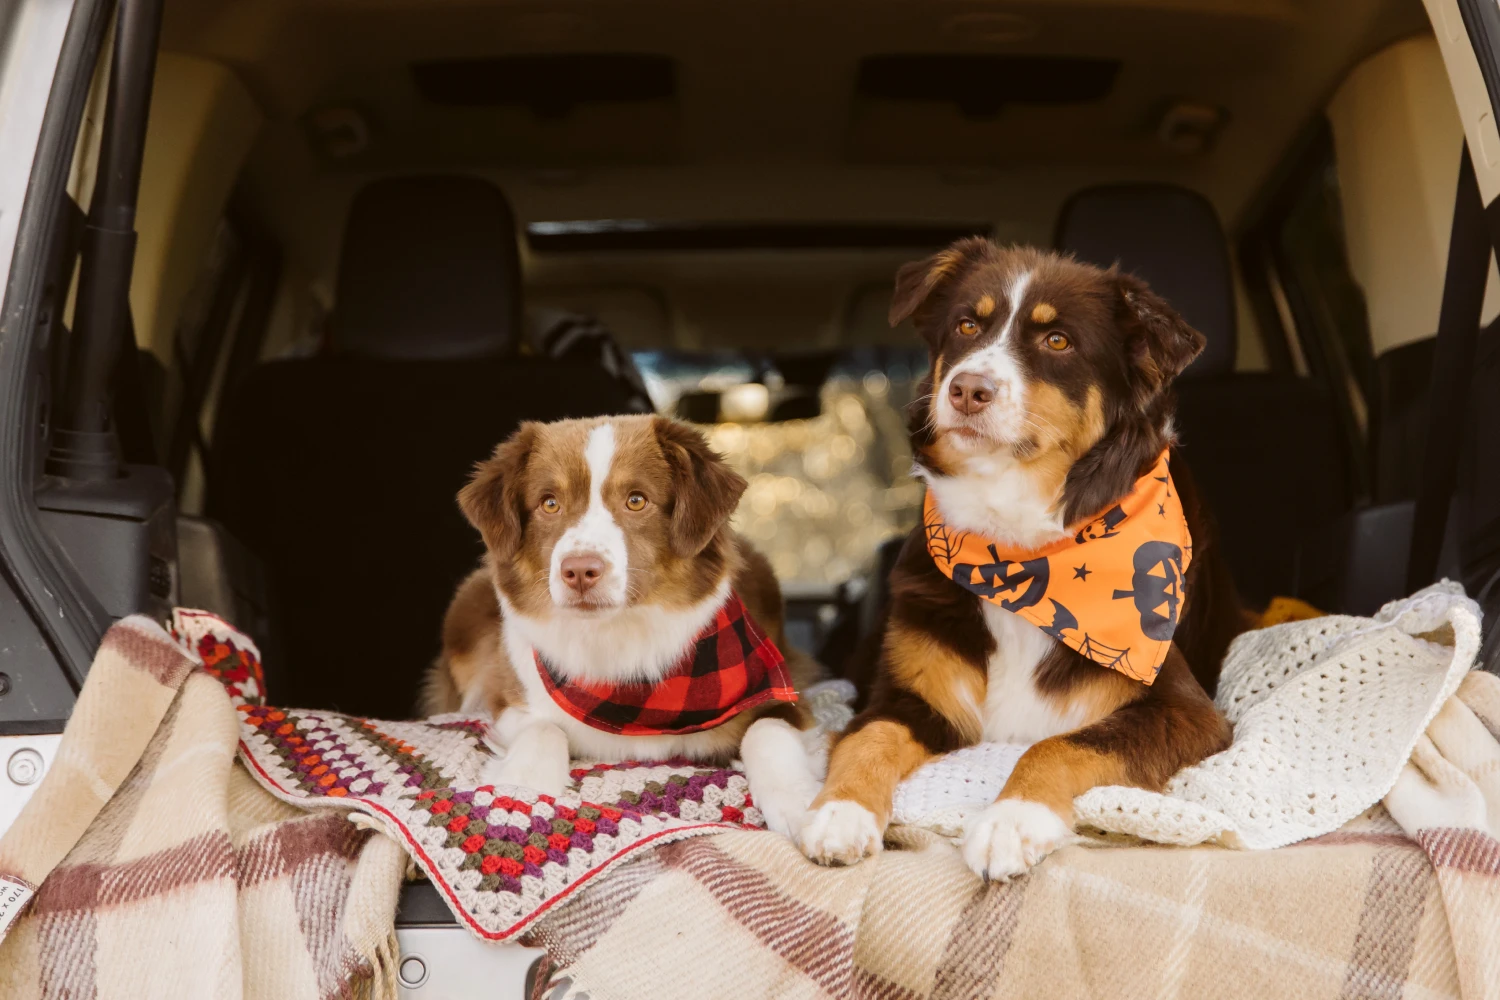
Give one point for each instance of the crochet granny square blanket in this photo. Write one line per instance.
(501, 856)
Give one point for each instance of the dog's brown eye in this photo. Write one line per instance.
(635, 501)
(550, 504)
(968, 327)
(1058, 341)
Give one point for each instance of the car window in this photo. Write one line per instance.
(825, 490)
(1295, 256)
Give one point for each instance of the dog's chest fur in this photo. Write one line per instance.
(996, 497)
(665, 635)
(1015, 711)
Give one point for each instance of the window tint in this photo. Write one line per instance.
(1297, 271)
(218, 336)
(1336, 328)
(826, 486)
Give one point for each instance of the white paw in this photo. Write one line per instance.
(547, 777)
(782, 817)
(781, 775)
(538, 759)
(840, 833)
(1011, 836)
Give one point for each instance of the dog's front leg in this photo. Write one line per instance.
(1141, 744)
(529, 752)
(851, 813)
(785, 767)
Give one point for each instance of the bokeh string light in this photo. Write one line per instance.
(826, 491)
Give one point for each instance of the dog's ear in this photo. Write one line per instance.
(705, 490)
(492, 501)
(1159, 342)
(917, 280)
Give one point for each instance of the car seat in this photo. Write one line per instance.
(1265, 448)
(340, 471)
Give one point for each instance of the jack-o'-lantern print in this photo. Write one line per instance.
(1012, 585)
(1156, 588)
(1116, 590)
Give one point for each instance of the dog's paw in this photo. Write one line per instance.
(782, 817)
(1011, 836)
(538, 759)
(781, 775)
(840, 833)
(547, 777)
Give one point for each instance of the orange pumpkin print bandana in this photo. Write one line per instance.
(1112, 591)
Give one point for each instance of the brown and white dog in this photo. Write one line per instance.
(609, 554)
(1048, 400)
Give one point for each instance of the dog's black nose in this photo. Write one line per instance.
(971, 393)
(581, 572)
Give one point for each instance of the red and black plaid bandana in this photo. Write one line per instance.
(733, 666)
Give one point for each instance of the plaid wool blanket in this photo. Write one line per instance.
(1376, 909)
(164, 870)
(1353, 914)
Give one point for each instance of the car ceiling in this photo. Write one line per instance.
(767, 121)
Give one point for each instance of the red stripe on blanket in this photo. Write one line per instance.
(1465, 850)
(205, 858)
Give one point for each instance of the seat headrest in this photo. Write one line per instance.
(1170, 237)
(430, 269)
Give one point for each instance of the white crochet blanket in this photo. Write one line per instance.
(1326, 713)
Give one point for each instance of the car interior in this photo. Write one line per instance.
(374, 237)
(366, 230)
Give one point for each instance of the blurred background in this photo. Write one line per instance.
(826, 488)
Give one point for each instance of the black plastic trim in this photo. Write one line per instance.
(32, 727)
(981, 85)
(551, 86)
(1457, 341)
(58, 601)
(1260, 246)
(587, 236)
(422, 905)
(1482, 22)
(85, 443)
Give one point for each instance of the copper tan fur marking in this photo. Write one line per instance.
(947, 682)
(855, 804)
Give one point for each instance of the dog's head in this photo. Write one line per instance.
(1038, 358)
(589, 517)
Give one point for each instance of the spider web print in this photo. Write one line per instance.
(943, 543)
(1105, 655)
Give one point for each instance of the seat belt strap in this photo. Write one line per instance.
(1452, 375)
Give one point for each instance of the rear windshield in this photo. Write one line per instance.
(825, 490)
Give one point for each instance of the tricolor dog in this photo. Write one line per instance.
(1062, 590)
(617, 617)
